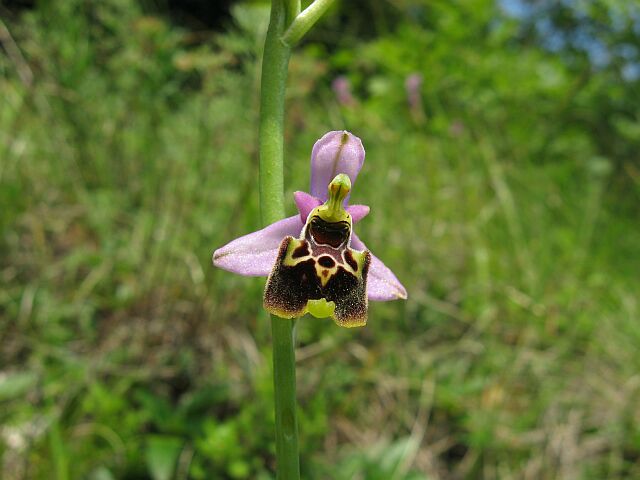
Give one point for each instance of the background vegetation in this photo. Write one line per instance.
(506, 199)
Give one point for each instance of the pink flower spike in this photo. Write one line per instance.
(413, 84)
(342, 88)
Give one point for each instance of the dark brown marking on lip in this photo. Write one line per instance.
(348, 257)
(326, 261)
(333, 234)
(349, 294)
(290, 287)
(301, 251)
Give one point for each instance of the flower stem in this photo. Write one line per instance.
(305, 20)
(275, 64)
(284, 378)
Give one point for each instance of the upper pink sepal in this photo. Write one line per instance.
(336, 152)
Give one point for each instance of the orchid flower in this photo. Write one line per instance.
(336, 160)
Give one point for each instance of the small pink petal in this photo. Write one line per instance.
(305, 204)
(336, 152)
(254, 254)
(382, 284)
(358, 212)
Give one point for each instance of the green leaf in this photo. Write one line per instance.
(162, 455)
(59, 455)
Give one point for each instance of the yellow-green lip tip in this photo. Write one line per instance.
(321, 308)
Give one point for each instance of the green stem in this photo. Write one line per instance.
(304, 21)
(292, 9)
(284, 379)
(274, 79)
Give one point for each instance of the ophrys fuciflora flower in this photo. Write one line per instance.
(297, 281)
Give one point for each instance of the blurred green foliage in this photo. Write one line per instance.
(506, 200)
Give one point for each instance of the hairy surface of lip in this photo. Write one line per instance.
(306, 273)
